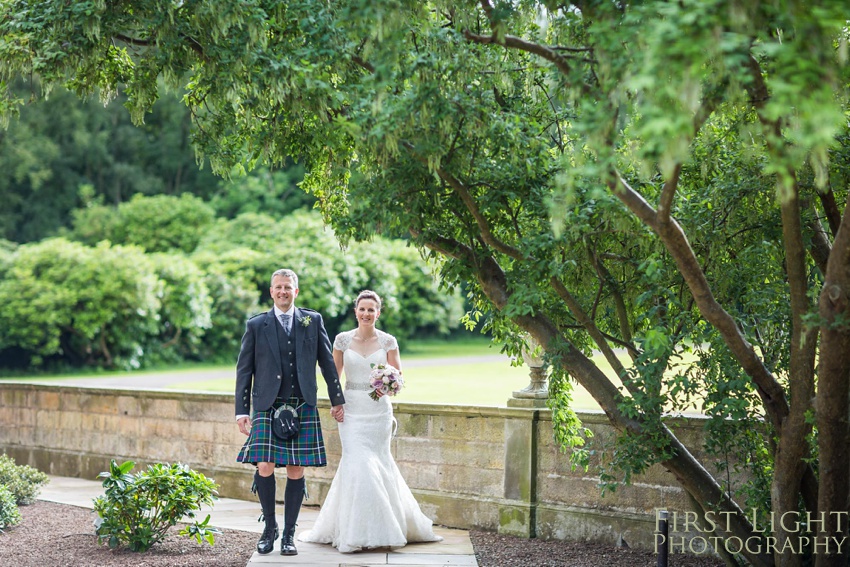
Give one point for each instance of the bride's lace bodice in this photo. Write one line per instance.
(385, 340)
(358, 367)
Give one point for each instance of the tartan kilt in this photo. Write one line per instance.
(306, 450)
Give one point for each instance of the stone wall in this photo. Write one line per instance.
(469, 467)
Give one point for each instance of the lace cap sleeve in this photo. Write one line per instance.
(343, 341)
(388, 342)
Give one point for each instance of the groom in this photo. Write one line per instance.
(277, 365)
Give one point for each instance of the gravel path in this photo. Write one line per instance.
(59, 535)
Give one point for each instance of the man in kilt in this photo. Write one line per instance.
(276, 366)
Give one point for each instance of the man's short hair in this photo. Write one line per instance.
(286, 273)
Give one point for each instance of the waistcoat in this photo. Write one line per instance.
(289, 373)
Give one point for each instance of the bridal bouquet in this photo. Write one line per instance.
(385, 378)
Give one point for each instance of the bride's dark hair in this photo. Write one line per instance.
(368, 294)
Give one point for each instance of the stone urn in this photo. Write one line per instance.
(537, 390)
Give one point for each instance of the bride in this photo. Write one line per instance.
(369, 504)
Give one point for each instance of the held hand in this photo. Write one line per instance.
(244, 425)
(338, 413)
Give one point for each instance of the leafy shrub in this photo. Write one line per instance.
(234, 301)
(137, 510)
(252, 245)
(274, 193)
(414, 304)
(185, 308)
(23, 481)
(94, 223)
(299, 241)
(9, 513)
(105, 307)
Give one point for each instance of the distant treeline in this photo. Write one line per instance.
(118, 251)
(61, 154)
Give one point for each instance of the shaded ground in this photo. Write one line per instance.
(493, 550)
(59, 535)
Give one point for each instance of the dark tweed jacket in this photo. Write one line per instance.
(258, 370)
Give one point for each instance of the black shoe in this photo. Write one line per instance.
(266, 543)
(287, 544)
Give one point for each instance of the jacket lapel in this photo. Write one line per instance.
(297, 333)
(271, 336)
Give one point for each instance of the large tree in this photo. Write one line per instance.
(664, 178)
(62, 152)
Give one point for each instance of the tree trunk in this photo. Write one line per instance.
(792, 447)
(832, 422)
(689, 472)
(785, 489)
(832, 402)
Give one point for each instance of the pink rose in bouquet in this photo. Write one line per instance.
(385, 378)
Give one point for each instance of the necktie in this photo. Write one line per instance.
(284, 320)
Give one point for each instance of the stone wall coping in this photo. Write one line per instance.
(156, 393)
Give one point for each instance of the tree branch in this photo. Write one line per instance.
(619, 303)
(677, 245)
(665, 203)
(560, 140)
(688, 471)
(514, 42)
(191, 42)
(572, 49)
(590, 327)
(132, 40)
(465, 196)
(517, 43)
(791, 476)
(446, 246)
(834, 309)
(363, 63)
(792, 448)
(820, 247)
(833, 214)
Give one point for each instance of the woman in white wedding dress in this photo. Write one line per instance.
(368, 505)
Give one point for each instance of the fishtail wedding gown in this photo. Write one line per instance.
(369, 504)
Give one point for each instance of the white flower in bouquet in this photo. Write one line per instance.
(385, 378)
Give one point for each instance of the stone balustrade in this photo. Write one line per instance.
(469, 467)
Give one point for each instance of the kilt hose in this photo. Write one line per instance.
(306, 450)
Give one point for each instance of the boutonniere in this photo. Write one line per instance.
(305, 321)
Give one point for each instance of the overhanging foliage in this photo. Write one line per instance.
(654, 177)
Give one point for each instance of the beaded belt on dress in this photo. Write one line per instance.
(364, 387)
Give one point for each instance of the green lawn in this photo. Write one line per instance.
(450, 379)
(488, 383)
(485, 383)
(469, 345)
